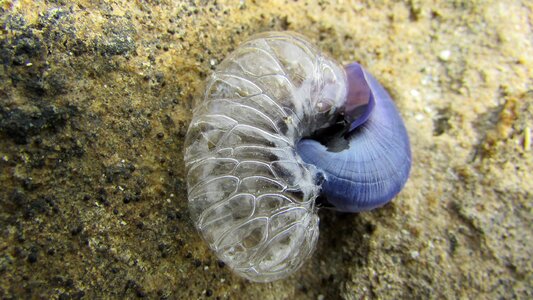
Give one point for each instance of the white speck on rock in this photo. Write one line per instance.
(415, 254)
(445, 55)
(415, 94)
(426, 80)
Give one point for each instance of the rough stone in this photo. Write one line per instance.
(96, 98)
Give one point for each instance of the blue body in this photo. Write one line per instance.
(375, 164)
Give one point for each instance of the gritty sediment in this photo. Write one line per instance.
(96, 99)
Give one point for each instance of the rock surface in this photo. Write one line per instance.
(96, 98)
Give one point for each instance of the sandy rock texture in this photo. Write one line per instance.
(95, 100)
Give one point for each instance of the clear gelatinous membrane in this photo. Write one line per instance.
(251, 196)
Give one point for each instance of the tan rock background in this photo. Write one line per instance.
(96, 96)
